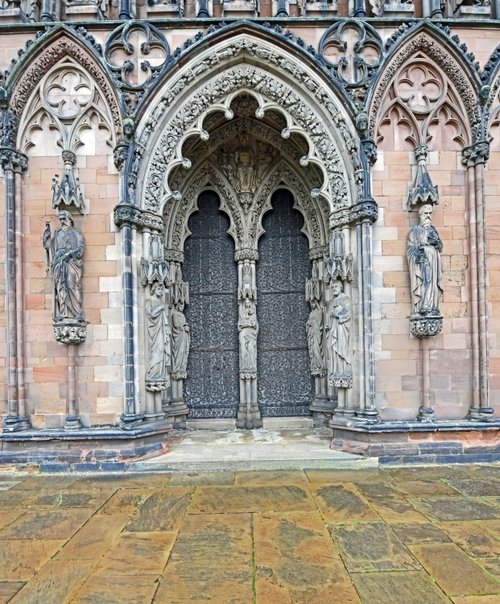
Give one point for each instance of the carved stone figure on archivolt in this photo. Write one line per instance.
(64, 255)
(424, 247)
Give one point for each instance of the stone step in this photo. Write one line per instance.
(264, 449)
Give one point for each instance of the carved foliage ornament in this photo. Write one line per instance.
(226, 83)
(214, 92)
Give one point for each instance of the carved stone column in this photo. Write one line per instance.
(13, 164)
(128, 218)
(474, 158)
(248, 411)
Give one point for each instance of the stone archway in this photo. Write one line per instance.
(244, 128)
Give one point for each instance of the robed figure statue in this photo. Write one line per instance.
(65, 248)
(424, 261)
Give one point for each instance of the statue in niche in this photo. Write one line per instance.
(248, 328)
(181, 340)
(245, 166)
(339, 324)
(424, 261)
(65, 250)
(314, 327)
(157, 376)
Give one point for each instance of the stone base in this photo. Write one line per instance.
(84, 449)
(417, 442)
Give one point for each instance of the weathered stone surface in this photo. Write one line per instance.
(277, 477)
(212, 558)
(476, 487)
(54, 583)
(114, 590)
(343, 503)
(371, 546)
(20, 560)
(203, 478)
(8, 589)
(374, 490)
(124, 501)
(89, 498)
(492, 565)
(7, 517)
(124, 481)
(251, 499)
(396, 509)
(48, 483)
(472, 538)
(5, 485)
(453, 570)
(296, 561)
(475, 600)
(137, 554)
(419, 532)
(456, 508)
(162, 511)
(424, 488)
(46, 524)
(13, 499)
(94, 538)
(411, 587)
(336, 476)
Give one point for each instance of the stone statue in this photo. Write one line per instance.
(65, 250)
(424, 261)
(181, 340)
(339, 324)
(248, 329)
(157, 371)
(245, 166)
(314, 327)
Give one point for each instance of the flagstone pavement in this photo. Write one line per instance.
(419, 535)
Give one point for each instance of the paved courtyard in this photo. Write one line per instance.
(402, 535)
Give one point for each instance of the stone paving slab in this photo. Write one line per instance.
(336, 536)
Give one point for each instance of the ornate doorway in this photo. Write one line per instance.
(212, 387)
(284, 382)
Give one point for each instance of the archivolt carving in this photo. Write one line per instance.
(68, 101)
(421, 93)
(177, 213)
(425, 52)
(217, 94)
(62, 49)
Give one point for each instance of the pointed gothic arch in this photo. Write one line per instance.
(426, 42)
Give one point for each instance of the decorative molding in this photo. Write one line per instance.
(422, 191)
(54, 52)
(426, 327)
(432, 49)
(132, 216)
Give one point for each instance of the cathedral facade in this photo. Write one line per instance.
(229, 214)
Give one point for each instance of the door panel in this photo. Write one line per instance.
(284, 382)
(211, 388)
